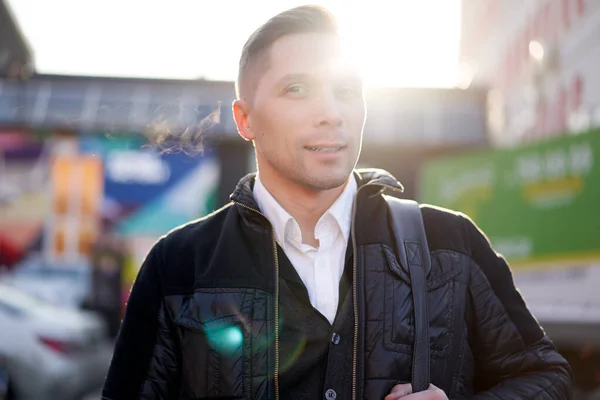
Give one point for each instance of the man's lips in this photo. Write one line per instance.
(326, 148)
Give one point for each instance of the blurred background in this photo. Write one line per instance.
(490, 107)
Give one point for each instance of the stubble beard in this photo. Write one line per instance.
(318, 179)
(303, 176)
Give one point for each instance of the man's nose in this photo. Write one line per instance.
(328, 110)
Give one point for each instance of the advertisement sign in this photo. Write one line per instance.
(537, 204)
(148, 192)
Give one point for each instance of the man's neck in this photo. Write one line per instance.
(304, 205)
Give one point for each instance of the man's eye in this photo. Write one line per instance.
(349, 91)
(296, 89)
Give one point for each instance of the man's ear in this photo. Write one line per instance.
(240, 114)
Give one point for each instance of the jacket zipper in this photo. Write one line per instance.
(354, 300)
(355, 288)
(276, 259)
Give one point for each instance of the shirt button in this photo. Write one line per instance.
(330, 394)
(335, 338)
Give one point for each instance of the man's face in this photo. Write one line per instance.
(307, 114)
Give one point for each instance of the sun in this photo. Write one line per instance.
(404, 43)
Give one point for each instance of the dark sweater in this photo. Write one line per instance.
(315, 357)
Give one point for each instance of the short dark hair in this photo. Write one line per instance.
(303, 19)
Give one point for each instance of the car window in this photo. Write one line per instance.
(10, 310)
(17, 301)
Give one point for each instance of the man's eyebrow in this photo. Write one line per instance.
(345, 77)
(350, 76)
(351, 80)
(296, 77)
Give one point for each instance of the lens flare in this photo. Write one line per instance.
(226, 340)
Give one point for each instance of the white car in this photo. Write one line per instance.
(49, 352)
(59, 284)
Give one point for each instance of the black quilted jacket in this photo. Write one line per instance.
(216, 278)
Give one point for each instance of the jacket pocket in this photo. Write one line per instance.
(217, 329)
(399, 324)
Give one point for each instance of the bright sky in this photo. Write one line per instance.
(398, 42)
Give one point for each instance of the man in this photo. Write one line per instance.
(294, 290)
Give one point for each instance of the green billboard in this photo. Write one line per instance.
(538, 204)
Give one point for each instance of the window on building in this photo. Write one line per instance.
(547, 23)
(64, 110)
(580, 7)
(565, 14)
(543, 120)
(537, 25)
(577, 92)
(562, 111)
(9, 103)
(517, 57)
(525, 43)
(508, 68)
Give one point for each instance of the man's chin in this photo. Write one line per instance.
(326, 182)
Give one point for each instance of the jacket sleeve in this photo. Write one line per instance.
(514, 359)
(144, 364)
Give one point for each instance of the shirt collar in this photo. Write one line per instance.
(341, 210)
(274, 212)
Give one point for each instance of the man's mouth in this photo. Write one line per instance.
(330, 149)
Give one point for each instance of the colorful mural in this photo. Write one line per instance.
(124, 187)
(148, 193)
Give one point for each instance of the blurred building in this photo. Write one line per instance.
(540, 59)
(16, 59)
(405, 125)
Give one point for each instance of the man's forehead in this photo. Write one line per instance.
(315, 44)
(308, 54)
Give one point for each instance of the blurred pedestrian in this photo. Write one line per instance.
(296, 290)
(106, 282)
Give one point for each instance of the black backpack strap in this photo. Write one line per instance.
(413, 251)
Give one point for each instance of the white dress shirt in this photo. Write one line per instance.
(319, 268)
